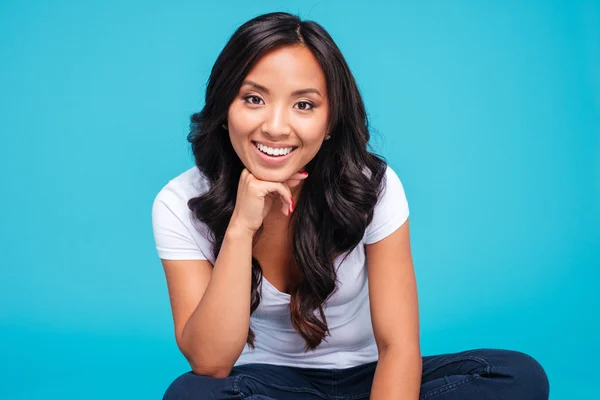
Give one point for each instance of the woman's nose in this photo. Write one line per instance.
(276, 123)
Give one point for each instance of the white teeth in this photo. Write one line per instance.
(272, 151)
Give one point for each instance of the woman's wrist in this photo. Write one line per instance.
(237, 232)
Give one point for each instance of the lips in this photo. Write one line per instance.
(272, 161)
(279, 147)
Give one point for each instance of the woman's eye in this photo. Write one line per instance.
(253, 99)
(305, 105)
(302, 105)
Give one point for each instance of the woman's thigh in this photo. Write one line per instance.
(483, 374)
(474, 374)
(250, 381)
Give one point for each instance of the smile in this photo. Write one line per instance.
(274, 151)
(273, 157)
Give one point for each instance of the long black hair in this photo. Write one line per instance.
(335, 204)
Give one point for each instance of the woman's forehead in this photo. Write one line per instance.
(288, 68)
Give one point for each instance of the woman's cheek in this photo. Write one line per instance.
(250, 117)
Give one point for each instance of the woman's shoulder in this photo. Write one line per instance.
(177, 233)
(391, 177)
(391, 210)
(185, 186)
(390, 173)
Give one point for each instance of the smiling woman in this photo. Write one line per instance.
(286, 248)
(285, 96)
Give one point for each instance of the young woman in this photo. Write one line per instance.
(286, 247)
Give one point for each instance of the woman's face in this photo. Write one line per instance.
(282, 104)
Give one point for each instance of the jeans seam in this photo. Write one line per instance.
(236, 387)
(353, 397)
(483, 362)
(279, 387)
(446, 388)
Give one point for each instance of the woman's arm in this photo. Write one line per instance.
(211, 306)
(395, 317)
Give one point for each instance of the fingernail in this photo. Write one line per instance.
(292, 203)
(304, 173)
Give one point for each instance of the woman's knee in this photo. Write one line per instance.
(529, 376)
(183, 386)
(197, 387)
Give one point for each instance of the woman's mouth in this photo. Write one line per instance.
(273, 157)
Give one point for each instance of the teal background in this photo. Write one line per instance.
(488, 111)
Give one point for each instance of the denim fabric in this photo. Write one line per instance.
(483, 374)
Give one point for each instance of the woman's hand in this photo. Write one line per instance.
(255, 199)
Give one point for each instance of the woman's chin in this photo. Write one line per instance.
(275, 175)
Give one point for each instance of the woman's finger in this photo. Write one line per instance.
(295, 179)
(283, 191)
(286, 207)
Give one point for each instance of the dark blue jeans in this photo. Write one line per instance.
(483, 374)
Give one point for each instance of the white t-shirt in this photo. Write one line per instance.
(180, 236)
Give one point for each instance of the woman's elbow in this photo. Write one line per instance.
(200, 365)
(212, 372)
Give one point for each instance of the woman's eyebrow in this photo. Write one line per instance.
(295, 93)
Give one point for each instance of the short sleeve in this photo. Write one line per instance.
(391, 210)
(174, 233)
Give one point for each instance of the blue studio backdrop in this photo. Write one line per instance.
(488, 111)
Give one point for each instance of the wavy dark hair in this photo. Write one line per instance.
(335, 204)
